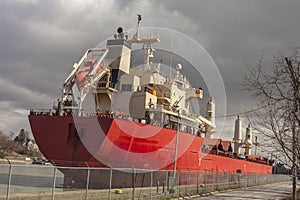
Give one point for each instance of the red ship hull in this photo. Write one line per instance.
(109, 142)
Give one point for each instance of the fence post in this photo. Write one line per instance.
(166, 183)
(134, 179)
(255, 179)
(213, 180)
(189, 181)
(151, 183)
(205, 182)
(227, 180)
(9, 180)
(178, 182)
(87, 182)
(53, 186)
(197, 182)
(239, 180)
(163, 189)
(217, 180)
(110, 181)
(248, 179)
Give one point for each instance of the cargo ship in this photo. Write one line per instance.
(113, 115)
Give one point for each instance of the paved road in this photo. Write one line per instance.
(29, 178)
(271, 191)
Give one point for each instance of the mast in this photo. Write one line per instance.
(146, 41)
(137, 35)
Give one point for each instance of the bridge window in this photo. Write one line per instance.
(126, 87)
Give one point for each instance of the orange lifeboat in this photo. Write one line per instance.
(80, 76)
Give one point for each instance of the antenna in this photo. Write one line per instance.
(139, 19)
(147, 42)
(136, 35)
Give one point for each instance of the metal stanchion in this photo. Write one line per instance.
(163, 188)
(133, 182)
(205, 182)
(9, 179)
(189, 182)
(87, 182)
(197, 189)
(178, 182)
(110, 182)
(53, 186)
(151, 183)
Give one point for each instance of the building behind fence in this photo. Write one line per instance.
(49, 182)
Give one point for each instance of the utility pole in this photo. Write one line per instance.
(172, 180)
(294, 119)
(176, 144)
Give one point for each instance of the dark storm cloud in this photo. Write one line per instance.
(242, 31)
(40, 40)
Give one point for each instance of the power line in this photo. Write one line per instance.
(246, 112)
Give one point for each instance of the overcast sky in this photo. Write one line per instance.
(40, 41)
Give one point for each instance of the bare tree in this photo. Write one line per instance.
(276, 88)
(22, 138)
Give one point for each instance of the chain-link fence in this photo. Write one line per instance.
(52, 182)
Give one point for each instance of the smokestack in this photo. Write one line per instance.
(248, 140)
(237, 135)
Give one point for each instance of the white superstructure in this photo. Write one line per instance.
(106, 83)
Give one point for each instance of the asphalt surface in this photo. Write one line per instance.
(29, 179)
(270, 191)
